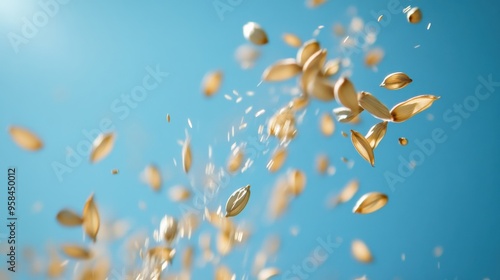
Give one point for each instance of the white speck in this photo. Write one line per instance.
(175, 162)
(261, 129)
(209, 151)
(242, 126)
(232, 131)
(259, 83)
(260, 113)
(417, 46)
(403, 257)
(248, 110)
(250, 93)
(345, 39)
(238, 100)
(228, 97)
(429, 26)
(142, 205)
(189, 123)
(405, 10)
(235, 92)
(331, 170)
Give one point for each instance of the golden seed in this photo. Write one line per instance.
(414, 15)
(235, 160)
(376, 133)
(403, 141)
(296, 181)
(162, 254)
(370, 203)
(69, 218)
(76, 252)
(168, 228)
(25, 138)
(371, 104)
(373, 57)
(114, 171)
(254, 33)
(179, 193)
(397, 80)
(152, 177)
(277, 160)
(332, 67)
(327, 125)
(409, 108)
(91, 219)
(306, 51)
(346, 95)
(322, 164)
(237, 201)
(186, 156)
(361, 252)
(281, 70)
(363, 147)
(347, 193)
(102, 146)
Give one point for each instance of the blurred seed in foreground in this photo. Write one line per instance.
(370, 203)
(25, 138)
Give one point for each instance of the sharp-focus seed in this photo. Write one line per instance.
(409, 108)
(152, 177)
(292, 40)
(25, 138)
(376, 133)
(414, 15)
(277, 160)
(69, 218)
(268, 273)
(168, 228)
(281, 70)
(179, 193)
(371, 104)
(307, 50)
(331, 68)
(76, 252)
(102, 146)
(370, 203)
(363, 147)
(396, 81)
(373, 57)
(296, 181)
(186, 156)
(361, 252)
(235, 160)
(346, 94)
(246, 56)
(326, 124)
(91, 219)
(237, 201)
(254, 33)
(403, 141)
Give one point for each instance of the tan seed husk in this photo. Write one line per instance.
(403, 141)
(299, 103)
(91, 219)
(102, 146)
(397, 80)
(237, 201)
(345, 115)
(268, 273)
(409, 108)
(152, 177)
(363, 147)
(282, 124)
(254, 33)
(187, 258)
(277, 160)
(326, 124)
(321, 89)
(212, 82)
(162, 254)
(292, 40)
(69, 218)
(224, 243)
(296, 181)
(114, 171)
(376, 133)
(307, 50)
(322, 163)
(346, 95)
(76, 252)
(347, 193)
(371, 104)
(186, 156)
(414, 15)
(331, 68)
(370, 203)
(235, 160)
(361, 252)
(55, 268)
(179, 193)
(223, 273)
(25, 138)
(281, 70)
(168, 228)
(373, 57)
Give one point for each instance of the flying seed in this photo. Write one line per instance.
(403, 141)
(69, 218)
(179, 193)
(361, 252)
(25, 138)
(254, 33)
(363, 147)
(152, 176)
(237, 201)
(76, 252)
(370, 203)
(91, 219)
(292, 40)
(414, 15)
(327, 125)
(277, 160)
(376, 133)
(212, 82)
(409, 108)
(186, 156)
(296, 181)
(102, 146)
(281, 70)
(371, 104)
(168, 228)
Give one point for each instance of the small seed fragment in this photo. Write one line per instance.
(168, 228)
(347, 193)
(414, 15)
(69, 218)
(361, 252)
(235, 160)
(373, 57)
(322, 164)
(76, 252)
(397, 80)
(152, 177)
(179, 193)
(403, 141)
(363, 147)
(254, 33)
(376, 133)
(326, 124)
(25, 138)
(297, 181)
(102, 146)
(346, 94)
(114, 171)
(371, 104)
(370, 203)
(237, 201)
(186, 156)
(212, 82)
(292, 40)
(277, 160)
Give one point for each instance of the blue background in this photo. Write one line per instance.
(66, 77)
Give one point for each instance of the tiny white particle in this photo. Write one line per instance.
(346, 38)
(250, 93)
(248, 110)
(209, 151)
(429, 26)
(238, 100)
(260, 113)
(243, 126)
(235, 92)
(190, 124)
(405, 10)
(417, 46)
(228, 97)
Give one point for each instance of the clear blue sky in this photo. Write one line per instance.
(69, 75)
